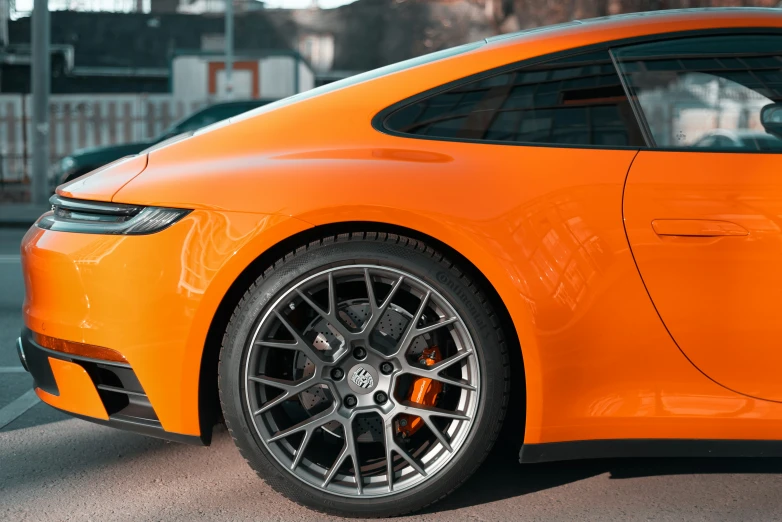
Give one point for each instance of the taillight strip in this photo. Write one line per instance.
(81, 349)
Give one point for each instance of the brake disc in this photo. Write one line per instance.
(354, 315)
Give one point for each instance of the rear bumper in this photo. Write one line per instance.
(105, 392)
(150, 298)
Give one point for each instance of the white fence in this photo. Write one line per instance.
(80, 121)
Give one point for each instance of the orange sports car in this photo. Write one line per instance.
(574, 230)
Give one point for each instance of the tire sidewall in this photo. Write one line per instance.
(427, 266)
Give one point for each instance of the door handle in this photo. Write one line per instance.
(697, 228)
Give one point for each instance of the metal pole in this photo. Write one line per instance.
(5, 15)
(229, 48)
(41, 76)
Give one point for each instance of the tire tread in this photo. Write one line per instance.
(279, 483)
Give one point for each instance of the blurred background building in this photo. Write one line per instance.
(126, 70)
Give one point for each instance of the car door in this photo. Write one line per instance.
(705, 226)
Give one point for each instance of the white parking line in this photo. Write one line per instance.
(13, 411)
(8, 258)
(12, 369)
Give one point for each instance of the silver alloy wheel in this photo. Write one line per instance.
(324, 400)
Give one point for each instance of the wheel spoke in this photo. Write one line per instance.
(302, 448)
(272, 403)
(350, 443)
(388, 435)
(410, 460)
(450, 361)
(335, 467)
(437, 433)
(278, 344)
(370, 291)
(432, 327)
(290, 389)
(307, 424)
(391, 448)
(431, 373)
(330, 315)
(278, 420)
(411, 329)
(321, 312)
(349, 450)
(282, 384)
(332, 296)
(378, 310)
(300, 343)
(413, 408)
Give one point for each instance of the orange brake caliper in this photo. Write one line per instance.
(423, 391)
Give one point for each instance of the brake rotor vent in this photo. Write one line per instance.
(370, 428)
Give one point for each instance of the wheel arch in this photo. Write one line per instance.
(209, 406)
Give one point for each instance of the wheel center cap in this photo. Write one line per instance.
(362, 378)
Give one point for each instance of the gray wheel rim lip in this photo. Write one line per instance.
(474, 400)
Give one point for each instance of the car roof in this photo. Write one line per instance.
(404, 79)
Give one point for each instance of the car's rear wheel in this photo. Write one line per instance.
(364, 375)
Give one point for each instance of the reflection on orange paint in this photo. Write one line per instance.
(151, 298)
(544, 225)
(718, 295)
(102, 183)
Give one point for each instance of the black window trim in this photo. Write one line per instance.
(638, 112)
(379, 120)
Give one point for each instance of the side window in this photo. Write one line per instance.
(706, 91)
(578, 100)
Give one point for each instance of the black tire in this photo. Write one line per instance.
(386, 250)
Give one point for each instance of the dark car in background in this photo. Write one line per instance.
(86, 160)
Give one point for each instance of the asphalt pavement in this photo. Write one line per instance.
(55, 468)
(11, 286)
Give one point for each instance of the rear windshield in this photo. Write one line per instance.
(363, 77)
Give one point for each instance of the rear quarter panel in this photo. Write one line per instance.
(544, 226)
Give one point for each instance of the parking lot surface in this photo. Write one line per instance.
(55, 468)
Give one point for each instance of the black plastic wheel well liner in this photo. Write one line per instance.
(208, 395)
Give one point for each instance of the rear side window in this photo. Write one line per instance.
(706, 92)
(576, 101)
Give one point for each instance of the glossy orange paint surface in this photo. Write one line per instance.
(719, 294)
(546, 226)
(104, 182)
(77, 393)
(150, 298)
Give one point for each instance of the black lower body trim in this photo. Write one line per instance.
(143, 428)
(599, 449)
(37, 359)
